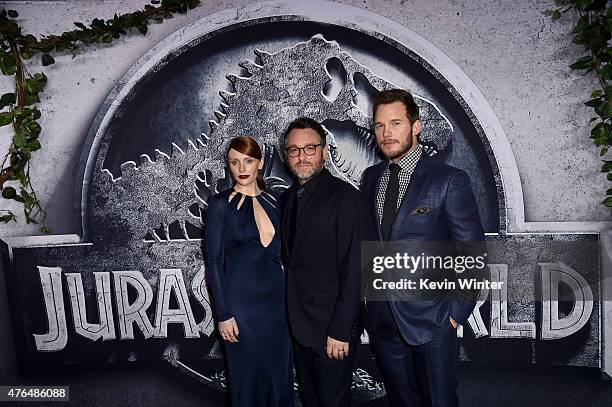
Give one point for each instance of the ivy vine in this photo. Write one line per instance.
(593, 30)
(19, 108)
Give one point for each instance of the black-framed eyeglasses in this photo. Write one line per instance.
(308, 150)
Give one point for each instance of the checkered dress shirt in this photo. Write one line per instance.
(407, 165)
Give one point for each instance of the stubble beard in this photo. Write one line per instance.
(404, 148)
(303, 174)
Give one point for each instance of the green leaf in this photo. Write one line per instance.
(13, 14)
(583, 63)
(602, 130)
(609, 191)
(45, 230)
(47, 60)
(609, 176)
(143, 29)
(7, 99)
(8, 65)
(41, 78)
(607, 201)
(31, 99)
(80, 25)
(9, 193)
(19, 140)
(581, 25)
(606, 167)
(33, 145)
(583, 4)
(6, 118)
(604, 110)
(554, 14)
(594, 102)
(597, 93)
(606, 72)
(32, 129)
(8, 218)
(604, 151)
(26, 195)
(33, 85)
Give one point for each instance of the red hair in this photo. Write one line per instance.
(248, 146)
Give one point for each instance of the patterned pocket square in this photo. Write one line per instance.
(421, 210)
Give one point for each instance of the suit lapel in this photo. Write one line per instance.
(373, 198)
(308, 205)
(313, 194)
(286, 224)
(413, 191)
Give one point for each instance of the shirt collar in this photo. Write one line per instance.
(409, 161)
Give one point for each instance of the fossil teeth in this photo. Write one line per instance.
(219, 115)
(192, 145)
(128, 167)
(263, 55)
(160, 156)
(176, 150)
(250, 66)
(145, 160)
(228, 97)
(109, 174)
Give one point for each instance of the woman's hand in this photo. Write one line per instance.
(229, 330)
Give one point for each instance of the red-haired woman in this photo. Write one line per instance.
(247, 283)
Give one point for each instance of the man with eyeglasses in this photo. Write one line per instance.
(321, 241)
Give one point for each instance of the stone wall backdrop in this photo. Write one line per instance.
(512, 52)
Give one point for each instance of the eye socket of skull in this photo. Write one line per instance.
(365, 93)
(337, 82)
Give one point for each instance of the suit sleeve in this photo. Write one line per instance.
(465, 227)
(215, 226)
(348, 241)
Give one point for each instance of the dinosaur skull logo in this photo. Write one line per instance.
(157, 207)
(313, 78)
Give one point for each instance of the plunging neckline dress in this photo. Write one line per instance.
(247, 282)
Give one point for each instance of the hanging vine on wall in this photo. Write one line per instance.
(593, 31)
(19, 109)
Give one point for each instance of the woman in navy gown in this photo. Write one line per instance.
(247, 283)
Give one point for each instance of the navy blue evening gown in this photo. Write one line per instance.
(248, 283)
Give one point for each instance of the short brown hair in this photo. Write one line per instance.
(306, 123)
(388, 96)
(248, 146)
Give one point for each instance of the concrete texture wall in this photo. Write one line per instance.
(511, 50)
